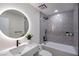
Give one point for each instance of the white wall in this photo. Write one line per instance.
(33, 16)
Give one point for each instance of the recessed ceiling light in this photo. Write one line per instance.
(55, 10)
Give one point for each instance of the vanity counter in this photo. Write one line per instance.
(23, 50)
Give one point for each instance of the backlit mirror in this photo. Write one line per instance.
(13, 23)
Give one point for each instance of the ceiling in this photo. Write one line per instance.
(52, 7)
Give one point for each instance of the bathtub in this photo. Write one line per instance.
(58, 49)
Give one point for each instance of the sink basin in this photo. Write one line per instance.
(17, 50)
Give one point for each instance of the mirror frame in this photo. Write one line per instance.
(10, 38)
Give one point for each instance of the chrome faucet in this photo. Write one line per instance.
(17, 43)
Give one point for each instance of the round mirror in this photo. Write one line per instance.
(13, 23)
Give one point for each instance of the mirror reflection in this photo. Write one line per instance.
(13, 23)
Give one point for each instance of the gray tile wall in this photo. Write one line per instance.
(75, 15)
(57, 25)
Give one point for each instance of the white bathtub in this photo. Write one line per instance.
(58, 49)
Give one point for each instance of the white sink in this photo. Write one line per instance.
(17, 50)
(22, 50)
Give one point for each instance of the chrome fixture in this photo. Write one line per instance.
(46, 18)
(45, 37)
(17, 43)
(68, 34)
